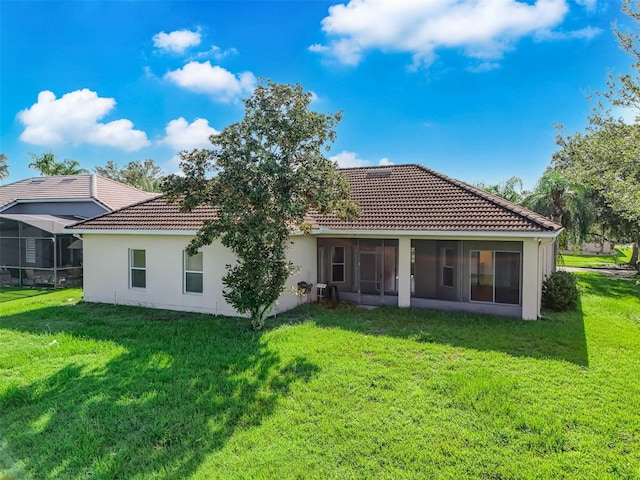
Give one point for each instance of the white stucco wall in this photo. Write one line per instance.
(106, 272)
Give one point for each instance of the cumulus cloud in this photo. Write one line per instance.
(482, 29)
(182, 135)
(347, 159)
(74, 118)
(216, 81)
(177, 41)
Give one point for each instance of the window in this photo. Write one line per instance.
(193, 273)
(495, 277)
(337, 264)
(137, 268)
(447, 259)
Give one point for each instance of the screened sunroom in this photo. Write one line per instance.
(35, 251)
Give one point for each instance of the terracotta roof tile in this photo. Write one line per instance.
(154, 214)
(110, 193)
(402, 197)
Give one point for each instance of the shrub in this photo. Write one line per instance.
(560, 292)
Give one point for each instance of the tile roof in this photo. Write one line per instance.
(154, 214)
(400, 197)
(112, 194)
(412, 197)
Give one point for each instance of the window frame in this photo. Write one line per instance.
(186, 272)
(343, 264)
(133, 268)
(447, 256)
(493, 276)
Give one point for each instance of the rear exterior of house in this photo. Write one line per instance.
(423, 240)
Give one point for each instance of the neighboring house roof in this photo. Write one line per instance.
(398, 198)
(113, 195)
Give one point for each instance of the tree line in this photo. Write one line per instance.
(142, 174)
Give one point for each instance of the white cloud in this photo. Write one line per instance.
(74, 118)
(482, 29)
(347, 159)
(177, 41)
(213, 80)
(586, 33)
(182, 135)
(217, 53)
(588, 4)
(628, 115)
(483, 67)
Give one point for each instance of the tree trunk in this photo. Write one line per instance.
(634, 256)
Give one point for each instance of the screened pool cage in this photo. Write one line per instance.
(37, 257)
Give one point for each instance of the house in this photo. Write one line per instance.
(34, 247)
(422, 240)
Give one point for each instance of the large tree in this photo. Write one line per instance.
(145, 175)
(47, 165)
(4, 167)
(263, 175)
(606, 156)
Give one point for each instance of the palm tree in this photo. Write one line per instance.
(47, 166)
(4, 168)
(564, 202)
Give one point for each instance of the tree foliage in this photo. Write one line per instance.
(264, 175)
(510, 189)
(4, 166)
(47, 165)
(145, 175)
(565, 202)
(605, 157)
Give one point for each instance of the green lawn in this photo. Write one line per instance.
(107, 392)
(621, 257)
(14, 293)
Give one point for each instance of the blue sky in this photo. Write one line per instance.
(470, 88)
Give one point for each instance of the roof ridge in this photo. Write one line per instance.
(371, 167)
(523, 212)
(111, 180)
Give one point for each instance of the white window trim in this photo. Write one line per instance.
(185, 272)
(132, 268)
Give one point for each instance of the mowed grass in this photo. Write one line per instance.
(621, 257)
(8, 294)
(109, 392)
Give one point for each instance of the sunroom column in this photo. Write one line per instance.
(531, 282)
(404, 272)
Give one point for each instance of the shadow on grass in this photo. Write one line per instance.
(165, 395)
(608, 286)
(559, 337)
(8, 294)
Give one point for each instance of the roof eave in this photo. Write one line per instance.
(438, 233)
(125, 231)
